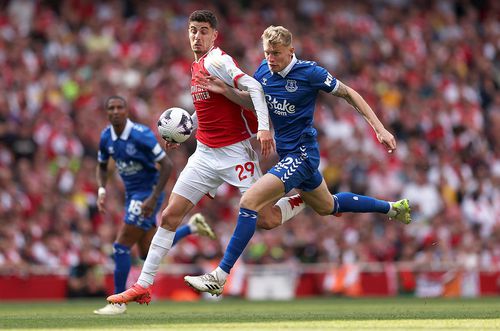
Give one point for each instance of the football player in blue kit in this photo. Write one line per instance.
(136, 153)
(291, 87)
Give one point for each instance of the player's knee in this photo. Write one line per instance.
(253, 201)
(247, 203)
(170, 218)
(324, 210)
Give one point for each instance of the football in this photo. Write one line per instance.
(175, 125)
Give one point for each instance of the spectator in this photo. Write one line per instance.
(438, 93)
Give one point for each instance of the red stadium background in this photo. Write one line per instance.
(430, 70)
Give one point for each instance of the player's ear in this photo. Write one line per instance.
(292, 50)
(216, 33)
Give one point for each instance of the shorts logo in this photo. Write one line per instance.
(291, 169)
(291, 85)
(303, 152)
(291, 164)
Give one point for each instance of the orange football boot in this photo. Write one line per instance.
(136, 293)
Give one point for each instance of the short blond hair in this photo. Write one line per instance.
(277, 35)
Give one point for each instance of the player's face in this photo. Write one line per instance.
(201, 37)
(117, 112)
(278, 56)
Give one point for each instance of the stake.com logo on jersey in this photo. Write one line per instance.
(282, 108)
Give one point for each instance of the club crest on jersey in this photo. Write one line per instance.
(264, 81)
(130, 149)
(291, 85)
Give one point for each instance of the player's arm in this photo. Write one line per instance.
(248, 84)
(217, 85)
(148, 205)
(357, 101)
(165, 167)
(264, 135)
(101, 177)
(223, 67)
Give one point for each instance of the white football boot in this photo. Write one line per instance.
(202, 227)
(112, 309)
(206, 283)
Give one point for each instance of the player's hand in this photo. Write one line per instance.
(148, 206)
(170, 145)
(210, 83)
(387, 139)
(266, 140)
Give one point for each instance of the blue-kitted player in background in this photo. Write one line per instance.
(136, 153)
(291, 87)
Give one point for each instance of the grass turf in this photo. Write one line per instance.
(305, 314)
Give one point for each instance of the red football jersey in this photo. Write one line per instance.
(221, 122)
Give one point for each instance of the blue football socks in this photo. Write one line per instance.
(245, 228)
(122, 266)
(345, 202)
(181, 232)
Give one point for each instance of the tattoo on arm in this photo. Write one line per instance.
(343, 92)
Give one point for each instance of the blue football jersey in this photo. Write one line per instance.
(135, 152)
(291, 99)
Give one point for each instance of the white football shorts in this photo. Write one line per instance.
(208, 168)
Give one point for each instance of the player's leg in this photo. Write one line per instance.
(265, 191)
(319, 199)
(196, 180)
(137, 229)
(161, 243)
(195, 225)
(127, 237)
(356, 203)
(258, 192)
(324, 203)
(144, 243)
(275, 214)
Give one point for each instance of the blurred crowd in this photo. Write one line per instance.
(429, 69)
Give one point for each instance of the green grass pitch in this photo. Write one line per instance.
(237, 314)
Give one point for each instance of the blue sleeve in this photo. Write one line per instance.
(321, 79)
(102, 153)
(151, 145)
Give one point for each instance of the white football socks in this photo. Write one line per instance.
(220, 274)
(192, 227)
(391, 212)
(290, 206)
(160, 245)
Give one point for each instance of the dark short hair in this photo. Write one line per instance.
(115, 97)
(204, 16)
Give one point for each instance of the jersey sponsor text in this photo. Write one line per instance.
(282, 108)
